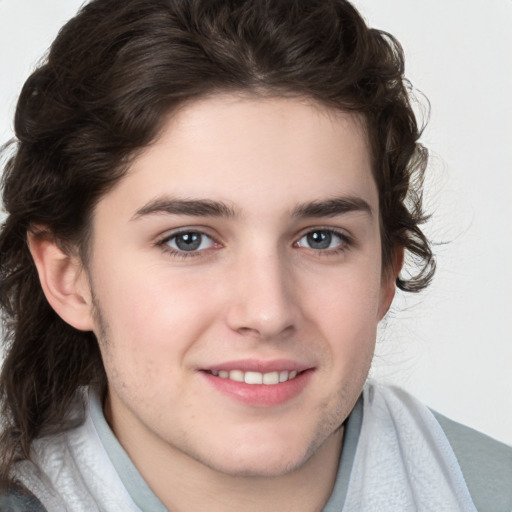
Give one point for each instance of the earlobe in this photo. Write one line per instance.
(63, 281)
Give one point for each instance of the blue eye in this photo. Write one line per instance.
(189, 241)
(322, 239)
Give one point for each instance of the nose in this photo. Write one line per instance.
(262, 302)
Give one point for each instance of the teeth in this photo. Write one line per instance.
(269, 379)
(237, 375)
(253, 378)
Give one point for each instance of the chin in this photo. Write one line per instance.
(260, 466)
(260, 457)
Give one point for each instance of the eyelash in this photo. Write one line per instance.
(175, 253)
(346, 241)
(345, 244)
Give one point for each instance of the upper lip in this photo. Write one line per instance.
(258, 365)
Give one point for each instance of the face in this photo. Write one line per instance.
(237, 281)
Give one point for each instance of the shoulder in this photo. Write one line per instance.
(485, 463)
(15, 498)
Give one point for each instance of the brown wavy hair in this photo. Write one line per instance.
(111, 77)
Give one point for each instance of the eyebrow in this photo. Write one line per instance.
(211, 208)
(332, 207)
(191, 207)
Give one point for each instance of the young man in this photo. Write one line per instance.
(208, 209)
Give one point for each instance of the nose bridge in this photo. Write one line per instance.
(262, 302)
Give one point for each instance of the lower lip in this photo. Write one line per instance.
(260, 395)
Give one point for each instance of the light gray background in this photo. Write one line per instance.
(452, 345)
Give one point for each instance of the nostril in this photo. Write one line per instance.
(249, 331)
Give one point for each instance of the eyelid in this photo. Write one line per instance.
(168, 234)
(163, 240)
(346, 238)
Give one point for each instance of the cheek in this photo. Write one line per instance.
(347, 314)
(151, 319)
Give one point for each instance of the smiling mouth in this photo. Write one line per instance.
(269, 379)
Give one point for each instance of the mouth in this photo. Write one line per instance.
(259, 383)
(255, 378)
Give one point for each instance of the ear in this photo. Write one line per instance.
(63, 281)
(388, 283)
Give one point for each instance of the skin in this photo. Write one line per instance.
(256, 288)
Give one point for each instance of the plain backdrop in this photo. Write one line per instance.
(452, 345)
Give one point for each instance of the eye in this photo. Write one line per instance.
(188, 241)
(323, 239)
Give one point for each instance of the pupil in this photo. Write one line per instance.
(188, 241)
(319, 239)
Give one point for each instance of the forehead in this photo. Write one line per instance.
(252, 152)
